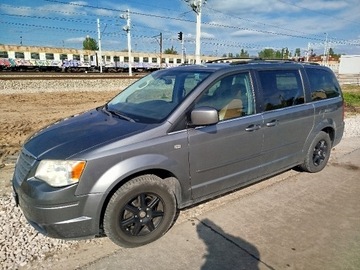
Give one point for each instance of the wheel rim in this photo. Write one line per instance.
(320, 152)
(142, 214)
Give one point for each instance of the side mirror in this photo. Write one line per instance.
(204, 116)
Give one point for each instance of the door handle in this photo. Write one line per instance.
(272, 123)
(253, 127)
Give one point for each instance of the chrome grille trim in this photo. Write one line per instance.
(23, 166)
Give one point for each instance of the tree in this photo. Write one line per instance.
(272, 54)
(90, 44)
(170, 51)
(279, 54)
(244, 54)
(333, 54)
(267, 54)
(297, 52)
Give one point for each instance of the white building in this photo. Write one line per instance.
(349, 64)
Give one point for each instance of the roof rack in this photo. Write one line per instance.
(231, 59)
(241, 60)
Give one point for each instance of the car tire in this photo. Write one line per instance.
(318, 153)
(140, 211)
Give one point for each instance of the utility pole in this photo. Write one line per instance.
(325, 50)
(308, 52)
(182, 51)
(99, 41)
(126, 28)
(161, 49)
(181, 38)
(198, 32)
(161, 46)
(196, 6)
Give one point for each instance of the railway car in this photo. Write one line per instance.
(36, 58)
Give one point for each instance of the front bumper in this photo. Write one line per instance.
(57, 212)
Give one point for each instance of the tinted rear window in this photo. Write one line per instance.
(323, 84)
(281, 88)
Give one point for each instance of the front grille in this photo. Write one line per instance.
(23, 166)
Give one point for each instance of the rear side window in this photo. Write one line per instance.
(281, 88)
(323, 84)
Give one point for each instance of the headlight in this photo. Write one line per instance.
(58, 173)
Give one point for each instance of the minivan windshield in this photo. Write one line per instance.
(152, 98)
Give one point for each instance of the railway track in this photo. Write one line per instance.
(66, 76)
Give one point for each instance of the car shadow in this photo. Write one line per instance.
(225, 251)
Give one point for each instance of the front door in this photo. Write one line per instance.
(227, 154)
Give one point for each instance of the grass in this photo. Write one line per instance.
(352, 97)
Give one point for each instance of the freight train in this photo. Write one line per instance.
(36, 58)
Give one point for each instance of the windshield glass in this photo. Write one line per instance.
(152, 98)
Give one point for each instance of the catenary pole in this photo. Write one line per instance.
(99, 41)
(198, 32)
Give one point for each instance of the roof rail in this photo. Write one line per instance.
(242, 60)
(291, 60)
(231, 59)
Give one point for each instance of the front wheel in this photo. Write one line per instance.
(140, 211)
(318, 153)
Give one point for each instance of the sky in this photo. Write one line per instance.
(227, 26)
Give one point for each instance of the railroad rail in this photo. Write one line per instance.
(66, 76)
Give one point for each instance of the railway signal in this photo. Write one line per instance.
(180, 36)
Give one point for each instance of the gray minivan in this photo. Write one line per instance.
(174, 138)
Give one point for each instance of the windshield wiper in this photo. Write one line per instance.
(106, 110)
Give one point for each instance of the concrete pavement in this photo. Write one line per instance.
(306, 221)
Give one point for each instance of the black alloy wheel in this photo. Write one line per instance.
(142, 214)
(318, 153)
(140, 211)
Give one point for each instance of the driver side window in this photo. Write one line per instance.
(232, 96)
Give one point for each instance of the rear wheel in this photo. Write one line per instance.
(140, 211)
(318, 153)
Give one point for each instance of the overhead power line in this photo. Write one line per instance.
(304, 35)
(48, 27)
(288, 32)
(42, 10)
(318, 12)
(87, 21)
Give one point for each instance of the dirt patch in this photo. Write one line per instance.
(23, 114)
(351, 109)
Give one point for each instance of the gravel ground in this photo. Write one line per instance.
(35, 86)
(19, 242)
(352, 126)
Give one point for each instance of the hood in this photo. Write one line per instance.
(72, 135)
